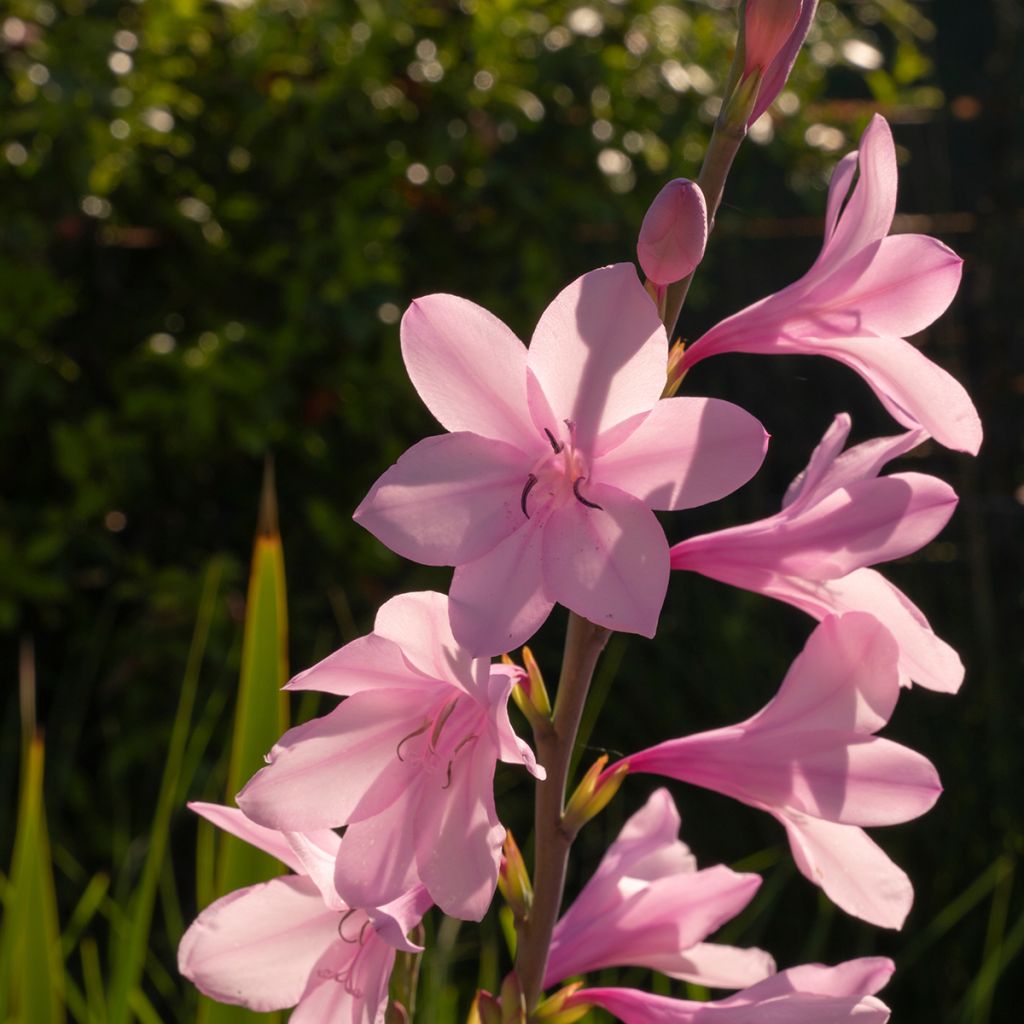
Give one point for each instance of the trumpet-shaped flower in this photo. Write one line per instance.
(406, 761)
(837, 518)
(773, 32)
(811, 994)
(809, 759)
(864, 294)
(292, 941)
(543, 490)
(647, 905)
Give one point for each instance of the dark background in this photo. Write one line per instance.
(211, 218)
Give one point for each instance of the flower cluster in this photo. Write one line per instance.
(542, 491)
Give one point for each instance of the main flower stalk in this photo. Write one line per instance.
(584, 643)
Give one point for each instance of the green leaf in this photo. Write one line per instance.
(31, 964)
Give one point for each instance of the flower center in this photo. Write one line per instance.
(557, 474)
(435, 744)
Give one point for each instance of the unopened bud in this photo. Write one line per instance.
(674, 233)
(676, 372)
(529, 692)
(593, 794)
(554, 1010)
(514, 879)
(396, 1014)
(737, 110)
(513, 1002)
(485, 1009)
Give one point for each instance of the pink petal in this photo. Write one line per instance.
(674, 232)
(317, 852)
(338, 768)
(498, 602)
(778, 71)
(806, 486)
(851, 868)
(256, 947)
(233, 821)
(609, 565)
(468, 367)
(838, 191)
(448, 499)
(368, 663)
(767, 26)
(510, 748)
(349, 984)
(717, 966)
(396, 919)
(418, 623)
(914, 389)
(599, 353)
(861, 977)
(687, 452)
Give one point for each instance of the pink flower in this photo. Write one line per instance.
(292, 941)
(407, 762)
(674, 233)
(837, 517)
(811, 994)
(773, 32)
(544, 489)
(862, 296)
(809, 759)
(647, 905)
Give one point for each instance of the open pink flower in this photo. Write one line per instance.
(647, 905)
(864, 294)
(292, 941)
(838, 517)
(773, 32)
(544, 489)
(809, 759)
(407, 762)
(811, 994)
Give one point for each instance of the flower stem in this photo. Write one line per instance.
(584, 643)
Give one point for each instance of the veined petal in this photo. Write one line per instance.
(370, 662)
(851, 868)
(687, 452)
(914, 390)
(718, 966)
(448, 499)
(499, 601)
(458, 836)
(608, 564)
(599, 353)
(468, 367)
(338, 768)
(257, 946)
(232, 820)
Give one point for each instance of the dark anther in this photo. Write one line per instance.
(341, 928)
(580, 498)
(362, 932)
(555, 445)
(530, 481)
(448, 778)
(405, 739)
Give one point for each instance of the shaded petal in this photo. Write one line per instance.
(458, 836)
(396, 919)
(348, 986)
(851, 868)
(510, 748)
(468, 367)
(806, 486)
(599, 353)
(913, 389)
(338, 768)
(839, 190)
(498, 602)
(717, 966)
(257, 946)
(609, 565)
(448, 499)
(316, 852)
(687, 452)
(232, 820)
(368, 663)
(861, 977)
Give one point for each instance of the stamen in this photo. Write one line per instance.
(443, 717)
(455, 754)
(531, 480)
(341, 928)
(580, 498)
(405, 739)
(362, 932)
(556, 446)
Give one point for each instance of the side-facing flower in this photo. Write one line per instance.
(864, 294)
(647, 905)
(837, 518)
(811, 994)
(674, 233)
(406, 761)
(543, 490)
(810, 759)
(773, 32)
(292, 941)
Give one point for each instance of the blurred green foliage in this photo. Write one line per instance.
(211, 218)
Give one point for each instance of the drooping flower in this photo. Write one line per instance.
(544, 489)
(406, 761)
(811, 994)
(773, 32)
(674, 232)
(864, 294)
(809, 759)
(647, 905)
(292, 941)
(837, 518)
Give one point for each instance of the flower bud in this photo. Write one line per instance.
(593, 794)
(485, 1009)
(529, 692)
(513, 1002)
(676, 371)
(514, 879)
(674, 233)
(553, 1010)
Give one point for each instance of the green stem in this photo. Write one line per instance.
(583, 645)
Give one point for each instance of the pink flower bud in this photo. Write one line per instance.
(674, 232)
(773, 32)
